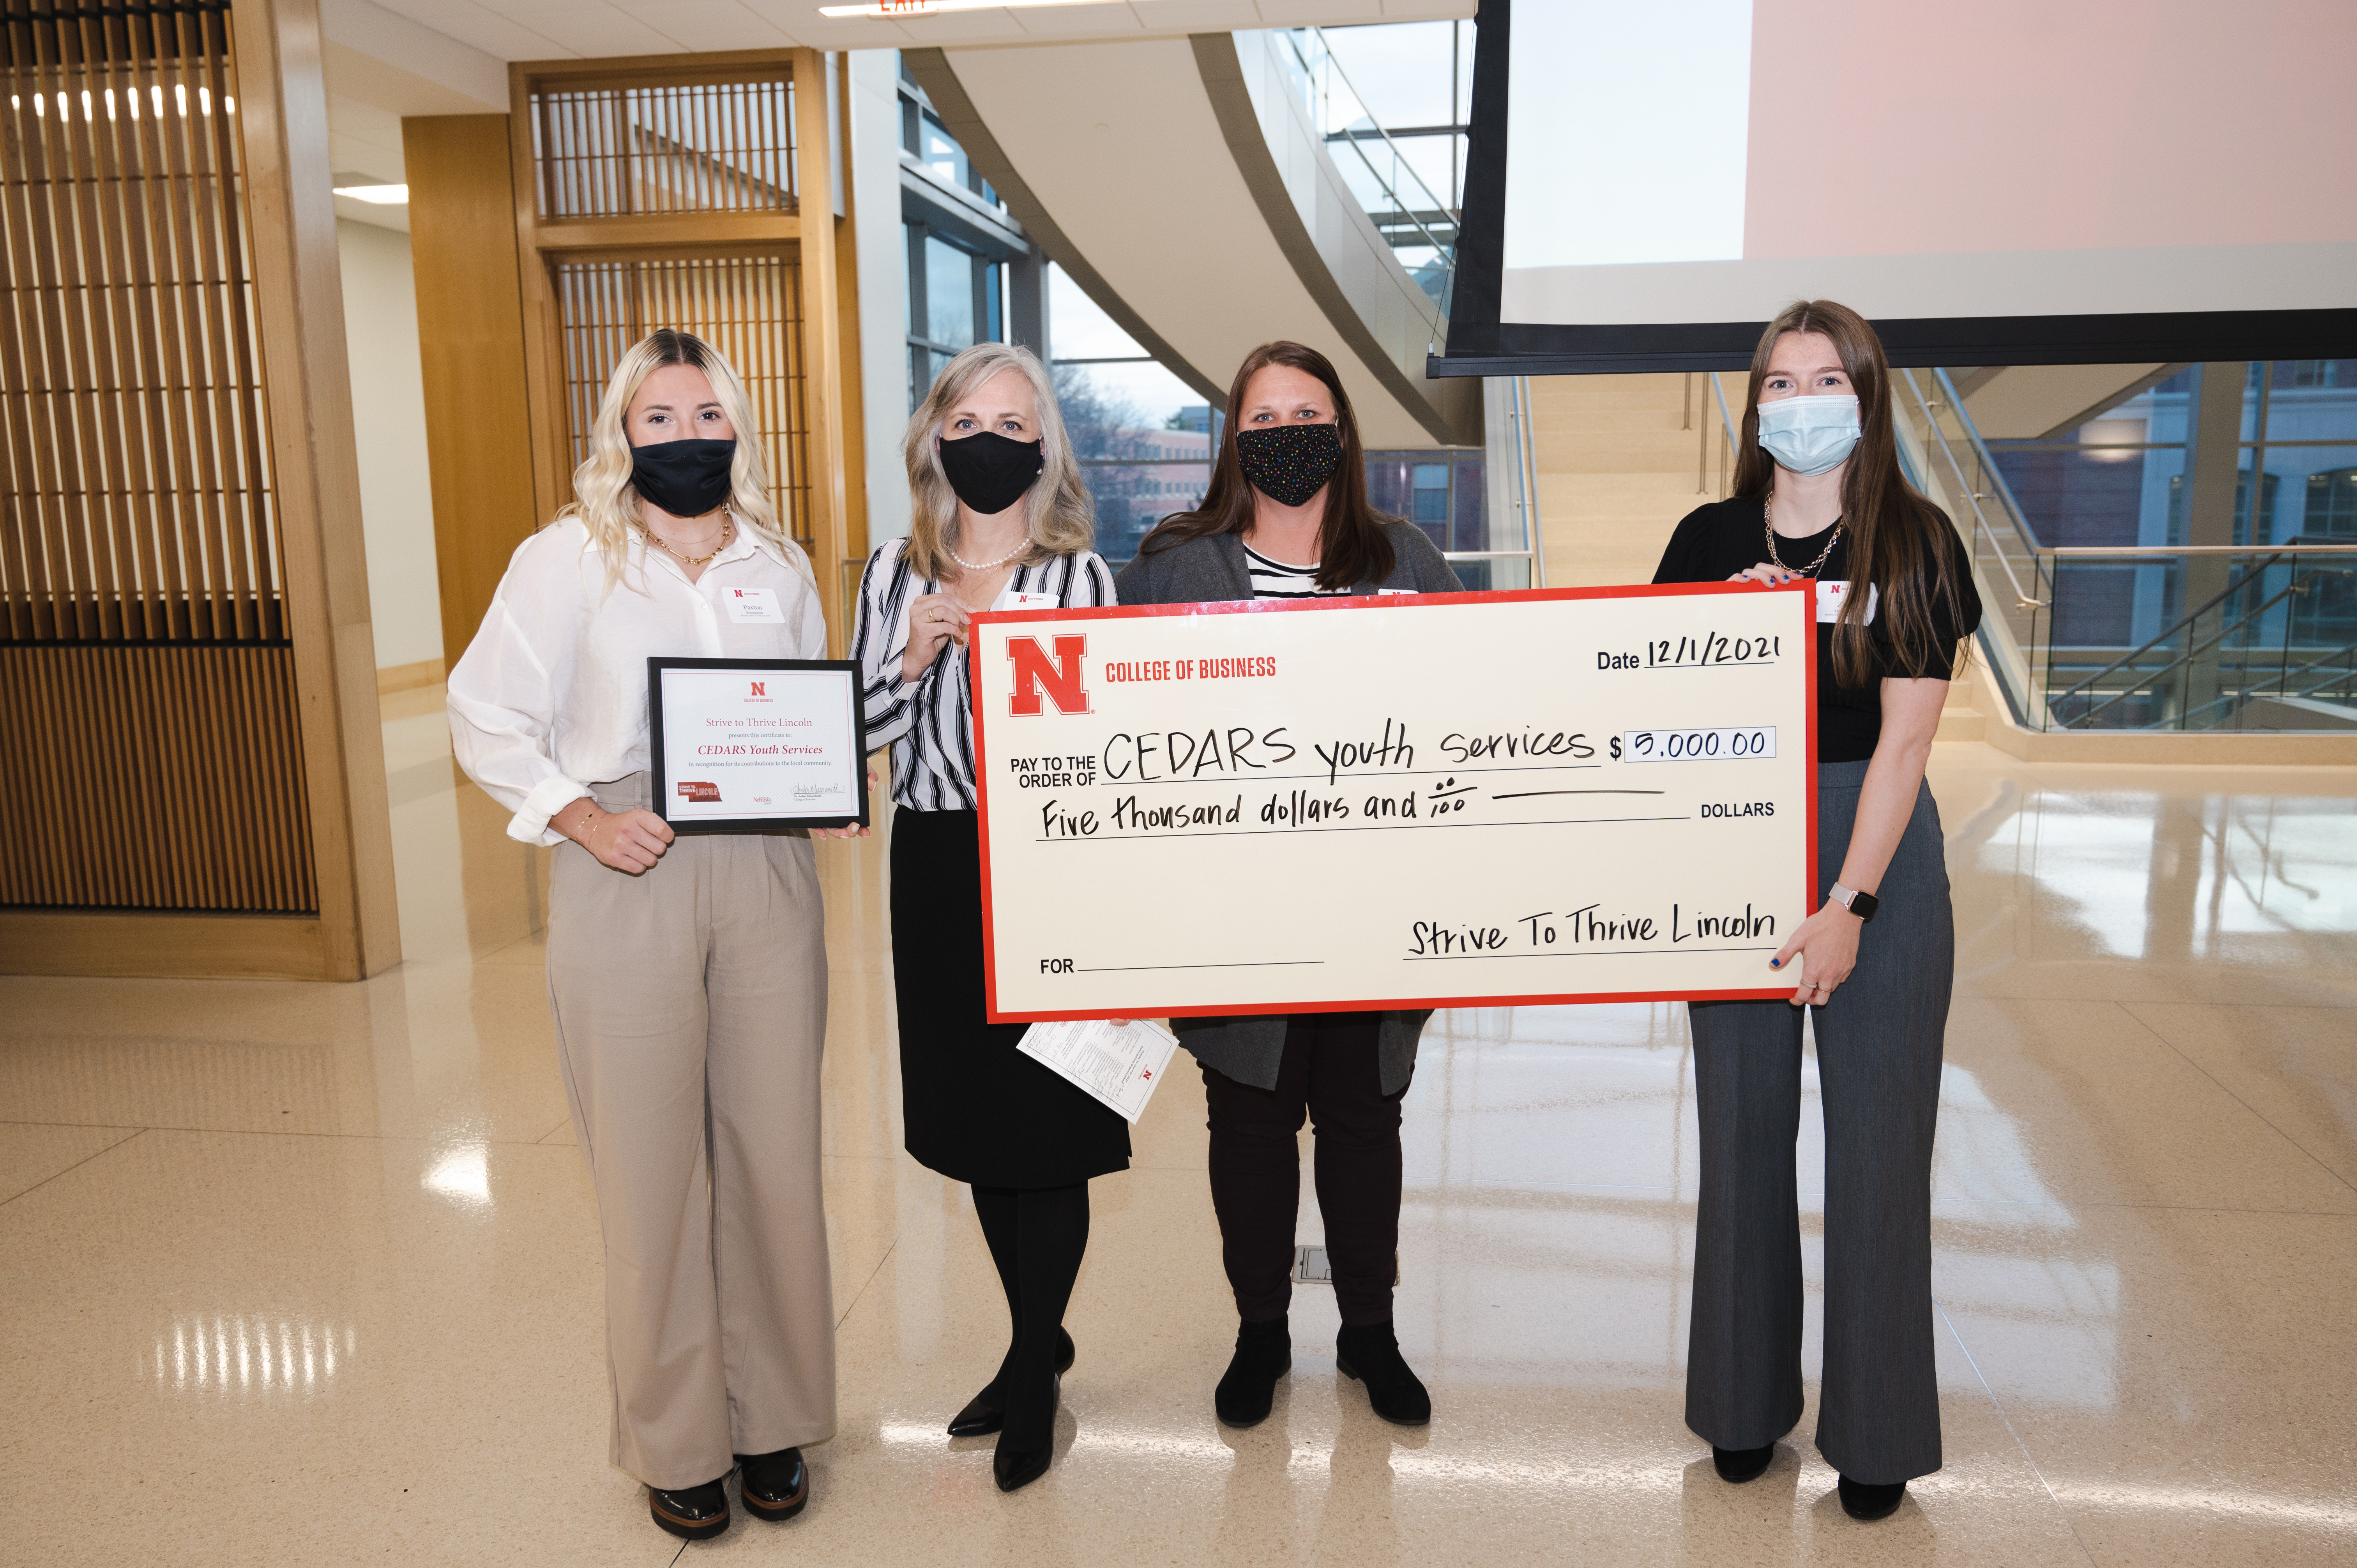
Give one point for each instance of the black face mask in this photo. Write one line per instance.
(1289, 463)
(685, 478)
(990, 472)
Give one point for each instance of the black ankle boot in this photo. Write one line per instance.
(986, 1412)
(1741, 1465)
(1862, 1500)
(1370, 1352)
(1027, 1443)
(692, 1513)
(1263, 1354)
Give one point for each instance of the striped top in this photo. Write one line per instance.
(933, 720)
(1274, 580)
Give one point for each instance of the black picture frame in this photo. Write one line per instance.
(775, 822)
(1481, 344)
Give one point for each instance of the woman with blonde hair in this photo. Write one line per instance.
(688, 977)
(1001, 520)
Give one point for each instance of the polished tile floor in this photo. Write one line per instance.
(308, 1273)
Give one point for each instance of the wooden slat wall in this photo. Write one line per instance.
(143, 646)
(94, 730)
(462, 242)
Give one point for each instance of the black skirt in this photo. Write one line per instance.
(975, 1108)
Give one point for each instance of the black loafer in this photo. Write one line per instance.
(776, 1486)
(986, 1412)
(1371, 1353)
(1740, 1465)
(1016, 1467)
(1861, 1500)
(1247, 1390)
(692, 1513)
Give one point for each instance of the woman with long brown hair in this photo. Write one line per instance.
(1818, 494)
(1287, 517)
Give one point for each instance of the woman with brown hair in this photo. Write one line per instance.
(1000, 520)
(1818, 494)
(1287, 517)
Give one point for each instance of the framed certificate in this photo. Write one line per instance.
(748, 745)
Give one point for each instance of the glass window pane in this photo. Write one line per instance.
(949, 294)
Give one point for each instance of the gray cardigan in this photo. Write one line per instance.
(1208, 571)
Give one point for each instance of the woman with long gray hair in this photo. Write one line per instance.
(1001, 520)
(688, 976)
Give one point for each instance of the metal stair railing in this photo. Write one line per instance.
(1403, 223)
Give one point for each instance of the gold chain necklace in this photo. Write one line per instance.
(1768, 523)
(727, 531)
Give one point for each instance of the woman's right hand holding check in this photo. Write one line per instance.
(933, 619)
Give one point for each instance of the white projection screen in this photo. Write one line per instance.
(1992, 183)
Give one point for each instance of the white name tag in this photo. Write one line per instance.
(1380, 591)
(1831, 597)
(1015, 599)
(753, 607)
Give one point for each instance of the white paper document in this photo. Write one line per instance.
(1120, 1063)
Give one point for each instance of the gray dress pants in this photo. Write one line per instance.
(1878, 1051)
(691, 1013)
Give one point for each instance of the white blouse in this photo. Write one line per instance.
(551, 694)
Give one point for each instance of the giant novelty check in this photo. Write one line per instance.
(1565, 795)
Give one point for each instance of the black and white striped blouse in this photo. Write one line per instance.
(1275, 579)
(933, 720)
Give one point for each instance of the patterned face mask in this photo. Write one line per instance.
(1289, 463)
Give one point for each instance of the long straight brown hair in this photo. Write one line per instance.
(1896, 540)
(1352, 548)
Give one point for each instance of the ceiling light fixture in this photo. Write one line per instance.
(376, 195)
(889, 9)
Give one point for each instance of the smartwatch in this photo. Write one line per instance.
(1862, 905)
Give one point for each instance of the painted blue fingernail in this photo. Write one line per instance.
(1775, 964)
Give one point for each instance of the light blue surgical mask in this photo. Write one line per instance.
(1810, 434)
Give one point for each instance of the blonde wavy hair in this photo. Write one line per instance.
(1060, 515)
(608, 503)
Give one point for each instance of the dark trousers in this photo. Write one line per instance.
(1878, 1052)
(1330, 1074)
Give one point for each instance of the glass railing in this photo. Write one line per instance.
(2160, 637)
(1419, 226)
(2222, 638)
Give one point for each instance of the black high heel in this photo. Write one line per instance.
(1741, 1465)
(1016, 1467)
(986, 1412)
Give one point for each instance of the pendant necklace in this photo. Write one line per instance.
(727, 531)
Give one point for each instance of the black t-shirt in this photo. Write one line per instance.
(1717, 542)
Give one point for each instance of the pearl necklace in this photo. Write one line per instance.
(989, 565)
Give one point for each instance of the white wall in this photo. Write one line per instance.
(388, 421)
(883, 286)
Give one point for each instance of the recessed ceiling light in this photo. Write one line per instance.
(376, 195)
(928, 7)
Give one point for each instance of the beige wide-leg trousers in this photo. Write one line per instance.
(691, 1013)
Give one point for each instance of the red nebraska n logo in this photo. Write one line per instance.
(761, 688)
(1061, 680)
